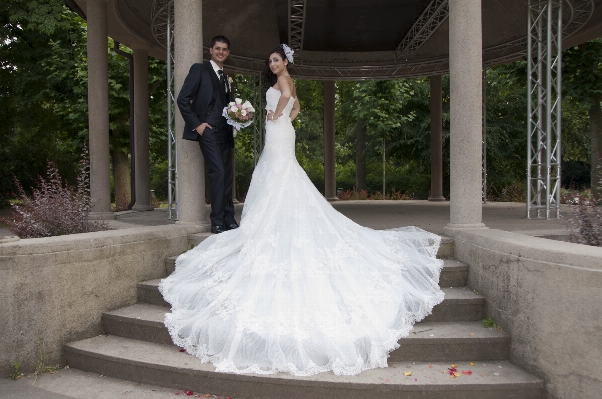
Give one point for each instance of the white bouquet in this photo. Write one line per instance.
(239, 114)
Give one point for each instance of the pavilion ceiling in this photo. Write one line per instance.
(351, 39)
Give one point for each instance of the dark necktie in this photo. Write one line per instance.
(222, 79)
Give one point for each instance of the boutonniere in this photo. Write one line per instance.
(230, 80)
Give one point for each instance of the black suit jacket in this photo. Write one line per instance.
(199, 91)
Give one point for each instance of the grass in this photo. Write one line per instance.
(17, 371)
(489, 322)
(41, 366)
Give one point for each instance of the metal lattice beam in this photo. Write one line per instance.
(576, 13)
(484, 142)
(545, 19)
(172, 171)
(435, 13)
(260, 114)
(296, 27)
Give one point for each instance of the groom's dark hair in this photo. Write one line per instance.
(221, 39)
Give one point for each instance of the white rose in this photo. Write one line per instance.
(238, 101)
(251, 109)
(231, 103)
(243, 112)
(233, 108)
(247, 105)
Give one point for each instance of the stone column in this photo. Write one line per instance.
(436, 103)
(141, 131)
(466, 107)
(188, 47)
(98, 109)
(330, 179)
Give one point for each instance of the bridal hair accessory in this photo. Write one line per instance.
(289, 53)
(239, 114)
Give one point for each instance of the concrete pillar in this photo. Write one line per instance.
(330, 179)
(98, 109)
(436, 103)
(188, 47)
(465, 65)
(141, 131)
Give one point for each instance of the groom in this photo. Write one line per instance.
(204, 94)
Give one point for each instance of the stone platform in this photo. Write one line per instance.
(533, 287)
(430, 216)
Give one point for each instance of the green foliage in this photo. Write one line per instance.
(41, 359)
(582, 72)
(43, 94)
(16, 374)
(488, 322)
(44, 114)
(30, 130)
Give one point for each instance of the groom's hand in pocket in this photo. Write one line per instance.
(201, 128)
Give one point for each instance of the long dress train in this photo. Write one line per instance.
(299, 287)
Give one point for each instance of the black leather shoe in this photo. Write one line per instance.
(232, 226)
(218, 229)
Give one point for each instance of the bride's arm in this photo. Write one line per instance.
(296, 109)
(285, 86)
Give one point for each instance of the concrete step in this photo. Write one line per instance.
(460, 304)
(454, 273)
(170, 264)
(428, 342)
(446, 249)
(165, 365)
(196, 239)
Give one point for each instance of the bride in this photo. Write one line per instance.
(299, 287)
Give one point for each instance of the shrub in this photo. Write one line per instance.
(55, 208)
(364, 195)
(584, 220)
(515, 192)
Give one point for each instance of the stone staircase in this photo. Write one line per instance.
(136, 346)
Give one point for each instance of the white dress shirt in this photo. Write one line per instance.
(216, 69)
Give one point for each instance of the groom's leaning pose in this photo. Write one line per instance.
(203, 96)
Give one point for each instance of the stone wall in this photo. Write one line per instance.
(548, 296)
(54, 290)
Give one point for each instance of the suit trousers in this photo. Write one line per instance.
(216, 148)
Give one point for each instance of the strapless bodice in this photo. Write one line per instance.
(272, 96)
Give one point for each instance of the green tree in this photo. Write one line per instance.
(43, 87)
(582, 81)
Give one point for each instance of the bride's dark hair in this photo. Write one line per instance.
(269, 77)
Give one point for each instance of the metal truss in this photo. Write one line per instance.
(484, 164)
(161, 20)
(296, 26)
(172, 153)
(435, 13)
(576, 14)
(260, 114)
(545, 18)
(162, 25)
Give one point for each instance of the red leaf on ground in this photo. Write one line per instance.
(189, 393)
(467, 372)
(182, 350)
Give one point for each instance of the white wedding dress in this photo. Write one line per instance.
(299, 287)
